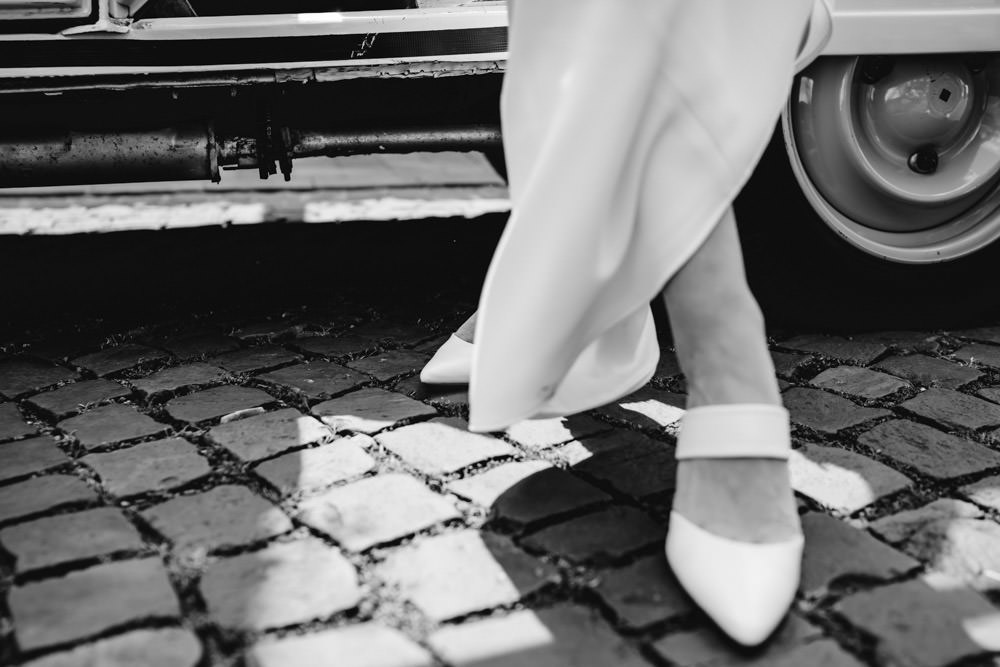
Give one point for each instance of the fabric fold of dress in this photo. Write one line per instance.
(629, 128)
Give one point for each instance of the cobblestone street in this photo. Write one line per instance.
(215, 451)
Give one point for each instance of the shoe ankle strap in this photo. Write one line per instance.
(744, 430)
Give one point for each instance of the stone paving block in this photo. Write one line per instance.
(68, 537)
(370, 410)
(90, 601)
(562, 636)
(918, 626)
(352, 645)
(617, 445)
(199, 345)
(898, 528)
(459, 573)
(933, 453)
(904, 341)
(835, 550)
(310, 470)
(12, 424)
(861, 352)
(442, 446)
(707, 647)
(643, 593)
(72, 398)
(787, 365)
(376, 510)
(667, 367)
(254, 359)
(179, 377)
(317, 379)
(116, 359)
(335, 347)
(387, 365)
(261, 436)
(646, 408)
(167, 647)
(952, 409)
(991, 394)
(270, 330)
(609, 534)
(929, 371)
(282, 584)
(150, 466)
(202, 406)
(982, 355)
(443, 396)
(632, 474)
(859, 382)
(21, 375)
(981, 334)
(225, 516)
(27, 457)
(42, 493)
(111, 424)
(527, 492)
(538, 434)
(985, 492)
(392, 333)
(826, 412)
(840, 479)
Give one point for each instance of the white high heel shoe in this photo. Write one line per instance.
(746, 588)
(451, 364)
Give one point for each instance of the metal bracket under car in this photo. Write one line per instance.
(112, 18)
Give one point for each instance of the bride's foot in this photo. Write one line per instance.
(452, 362)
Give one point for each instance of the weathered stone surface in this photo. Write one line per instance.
(282, 584)
(826, 412)
(859, 382)
(634, 472)
(930, 451)
(116, 359)
(991, 394)
(835, 550)
(609, 534)
(527, 492)
(983, 355)
(27, 457)
(981, 334)
(254, 359)
(21, 375)
(930, 371)
(985, 492)
(225, 516)
(68, 537)
(391, 333)
(538, 434)
(199, 345)
(111, 424)
(310, 470)
(667, 367)
(335, 347)
(857, 351)
(459, 573)
(445, 396)
(840, 479)
(352, 646)
(707, 647)
(217, 402)
(442, 446)
(787, 365)
(12, 424)
(370, 410)
(900, 527)
(952, 409)
(387, 365)
(647, 408)
(151, 466)
(376, 510)
(905, 341)
(562, 636)
(179, 377)
(42, 493)
(918, 626)
(73, 398)
(90, 601)
(270, 330)
(643, 593)
(262, 436)
(316, 379)
(606, 448)
(167, 647)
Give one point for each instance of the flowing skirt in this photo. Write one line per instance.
(629, 128)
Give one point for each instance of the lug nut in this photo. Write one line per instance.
(874, 68)
(923, 161)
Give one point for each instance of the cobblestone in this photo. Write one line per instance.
(90, 601)
(352, 645)
(859, 382)
(388, 365)
(861, 352)
(12, 424)
(705, 647)
(262, 436)
(840, 479)
(226, 516)
(203, 406)
(981, 334)
(933, 453)
(442, 446)
(280, 585)
(27, 457)
(169, 647)
(270, 330)
(109, 425)
(983, 355)
(930, 371)
(826, 412)
(42, 493)
(376, 510)
(335, 347)
(254, 359)
(647, 408)
(637, 472)
(459, 573)
(179, 377)
(370, 411)
(643, 593)
(72, 398)
(609, 534)
(151, 466)
(536, 434)
(905, 341)
(952, 409)
(116, 359)
(21, 375)
(787, 365)
(68, 537)
(199, 345)
(985, 492)
(311, 470)
(445, 397)
(316, 380)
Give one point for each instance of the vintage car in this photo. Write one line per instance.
(883, 179)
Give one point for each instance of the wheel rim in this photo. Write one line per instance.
(901, 155)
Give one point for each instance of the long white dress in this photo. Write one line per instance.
(629, 128)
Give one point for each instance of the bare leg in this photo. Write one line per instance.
(719, 335)
(467, 331)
